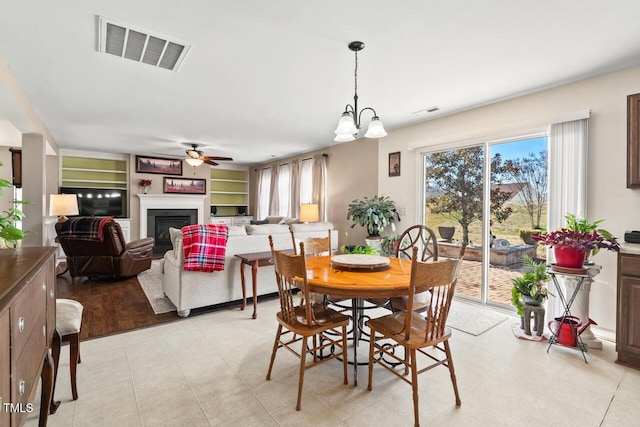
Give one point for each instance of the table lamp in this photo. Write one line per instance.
(62, 205)
(309, 212)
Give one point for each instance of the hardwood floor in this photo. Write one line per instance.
(115, 306)
(110, 306)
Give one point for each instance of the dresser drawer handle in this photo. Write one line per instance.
(21, 324)
(44, 287)
(44, 331)
(21, 386)
(51, 294)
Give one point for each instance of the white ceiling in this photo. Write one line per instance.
(266, 79)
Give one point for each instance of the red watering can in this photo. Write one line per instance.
(568, 328)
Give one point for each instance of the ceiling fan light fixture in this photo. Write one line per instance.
(194, 154)
(194, 162)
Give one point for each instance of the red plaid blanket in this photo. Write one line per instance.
(85, 227)
(204, 246)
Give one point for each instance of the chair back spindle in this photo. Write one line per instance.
(291, 274)
(439, 278)
(419, 236)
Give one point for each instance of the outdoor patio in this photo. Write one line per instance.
(499, 281)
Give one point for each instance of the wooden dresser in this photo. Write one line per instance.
(628, 306)
(27, 325)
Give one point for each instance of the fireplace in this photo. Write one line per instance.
(160, 220)
(193, 204)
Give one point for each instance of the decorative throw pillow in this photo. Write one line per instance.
(258, 221)
(175, 235)
(267, 229)
(237, 230)
(274, 219)
(311, 226)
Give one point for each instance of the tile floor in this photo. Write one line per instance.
(209, 370)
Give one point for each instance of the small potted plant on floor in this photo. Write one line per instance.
(531, 288)
(573, 244)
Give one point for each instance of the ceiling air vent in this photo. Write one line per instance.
(120, 39)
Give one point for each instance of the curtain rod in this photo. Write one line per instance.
(286, 163)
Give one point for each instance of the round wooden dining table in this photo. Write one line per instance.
(357, 284)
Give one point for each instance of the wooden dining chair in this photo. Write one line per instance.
(317, 246)
(417, 332)
(424, 239)
(326, 327)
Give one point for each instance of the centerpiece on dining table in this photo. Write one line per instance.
(360, 262)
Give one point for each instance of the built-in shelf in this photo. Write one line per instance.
(229, 191)
(87, 172)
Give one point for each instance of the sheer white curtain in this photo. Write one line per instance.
(284, 190)
(320, 184)
(568, 147)
(263, 194)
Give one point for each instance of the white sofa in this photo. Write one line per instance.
(191, 289)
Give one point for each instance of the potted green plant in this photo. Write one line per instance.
(389, 244)
(531, 288)
(9, 233)
(375, 213)
(572, 244)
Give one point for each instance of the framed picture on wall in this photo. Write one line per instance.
(394, 164)
(158, 165)
(184, 185)
(633, 141)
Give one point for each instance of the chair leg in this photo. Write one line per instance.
(452, 372)
(74, 343)
(303, 362)
(414, 384)
(344, 354)
(273, 352)
(406, 361)
(372, 346)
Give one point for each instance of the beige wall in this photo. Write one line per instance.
(350, 174)
(5, 173)
(608, 198)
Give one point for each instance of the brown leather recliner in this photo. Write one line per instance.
(109, 257)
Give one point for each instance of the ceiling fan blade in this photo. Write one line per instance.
(210, 162)
(217, 158)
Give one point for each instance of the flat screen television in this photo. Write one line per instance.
(99, 201)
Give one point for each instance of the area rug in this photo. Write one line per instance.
(151, 284)
(472, 319)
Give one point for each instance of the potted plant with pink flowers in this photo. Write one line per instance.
(573, 244)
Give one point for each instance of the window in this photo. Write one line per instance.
(284, 190)
(277, 198)
(306, 181)
(264, 184)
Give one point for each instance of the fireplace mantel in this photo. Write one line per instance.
(169, 201)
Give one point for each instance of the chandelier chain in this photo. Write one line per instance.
(355, 87)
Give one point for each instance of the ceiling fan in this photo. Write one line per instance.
(196, 157)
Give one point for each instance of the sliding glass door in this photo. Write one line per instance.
(491, 196)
